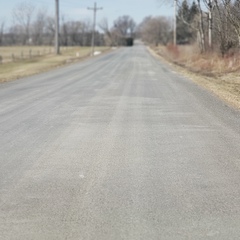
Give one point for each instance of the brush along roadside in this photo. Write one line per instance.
(224, 82)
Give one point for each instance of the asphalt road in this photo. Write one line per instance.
(117, 147)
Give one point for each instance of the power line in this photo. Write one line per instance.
(94, 9)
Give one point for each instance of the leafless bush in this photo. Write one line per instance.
(155, 30)
(23, 15)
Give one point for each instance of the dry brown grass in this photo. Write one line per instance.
(209, 63)
(219, 75)
(10, 53)
(27, 67)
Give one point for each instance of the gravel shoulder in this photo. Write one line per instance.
(225, 86)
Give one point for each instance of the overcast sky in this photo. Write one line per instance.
(77, 9)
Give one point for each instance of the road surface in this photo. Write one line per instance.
(117, 147)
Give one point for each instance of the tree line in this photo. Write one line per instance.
(212, 24)
(33, 26)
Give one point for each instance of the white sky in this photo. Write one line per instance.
(77, 9)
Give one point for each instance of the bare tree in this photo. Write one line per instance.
(209, 5)
(103, 24)
(155, 30)
(187, 22)
(223, 30)
(50, 29)
(232, 13)
(201, 32)
(86, 33)
(64, 32)
(74, 32)
(108, 34)
(175, 4)
(23, 15)
(125, 26)
(39, 26)
(2, 25)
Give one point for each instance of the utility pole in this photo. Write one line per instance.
(57, 50)
(175, 24)
(94, 9)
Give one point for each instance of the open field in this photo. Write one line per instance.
(211, 71)
(12, 53)
(37, 63)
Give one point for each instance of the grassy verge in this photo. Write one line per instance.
(37, 64)
(211, 71)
